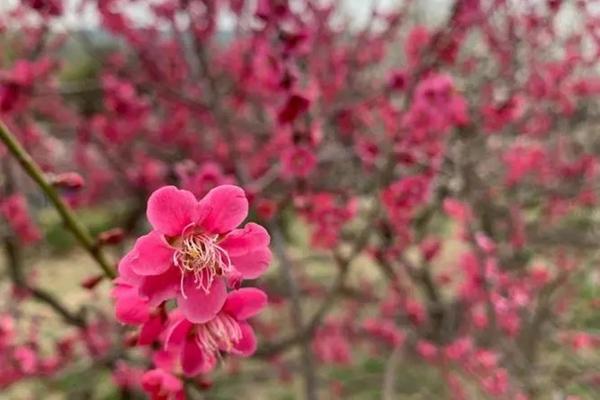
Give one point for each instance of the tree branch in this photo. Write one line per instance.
(68, 216)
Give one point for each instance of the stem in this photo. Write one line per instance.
(390, 374)
(14, 258)
(307, 362)
(68, 216)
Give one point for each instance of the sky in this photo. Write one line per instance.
(357, 9)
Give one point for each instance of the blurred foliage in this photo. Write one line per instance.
(97, 219)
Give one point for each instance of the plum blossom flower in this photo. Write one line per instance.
(331, 343)
(49, 7)
(298, 161)
(161, 385)
(404, 195)
(14, 210)
(229, 332)
(192, 253)
(199, 180)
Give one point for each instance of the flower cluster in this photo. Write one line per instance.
(431, 188)
(196, 257)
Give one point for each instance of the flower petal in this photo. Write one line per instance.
(223, 209)
(194, 360)
(126, 274)
(151, 330)
(158, 288)
(241, 241)
(177, 332)
(253, 264)
(247, 344)
(129, 307)
(245, 303)
(170, 210)
(199, 306)
(152, 255)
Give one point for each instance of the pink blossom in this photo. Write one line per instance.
(127, 376)
(49, 7)
(192, 253)
(427, 350)
(457, 210)
(497, 383)
(401, 197)
(14, 210)
(328, 214)
(416, 41)
(298, 162)
(160, 385)
(430, 248)
(228, 331)
(331, 344)
(294, 106)
(385, 330)
(458, 349)
(200, 180)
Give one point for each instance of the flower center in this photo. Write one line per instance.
(201, 255)
(220, 333)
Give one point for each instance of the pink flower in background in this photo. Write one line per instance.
(126, 376)
(228, 331)
(7, 329)
(200, 180)
(331, 343)
(418, 38)
(49, 7)
(298, 162)
(402, 196)
(295, 105)
(193, 252)
(427, 350)
(16, 83)
(430, 247)
(384, 330)
(496, 384)
(161, 385)
(14, 210)
(328, 214)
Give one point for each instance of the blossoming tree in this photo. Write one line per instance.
(400, 208)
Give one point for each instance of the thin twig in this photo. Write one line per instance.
(307, 361)
(68, 216)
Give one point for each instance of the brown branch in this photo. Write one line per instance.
(285, 267)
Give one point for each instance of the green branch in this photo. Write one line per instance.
(68, 216)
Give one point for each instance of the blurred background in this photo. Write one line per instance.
(428, 172)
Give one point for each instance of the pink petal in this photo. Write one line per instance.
(152, 255)
(241, 241)
(253, 264)
(129, 307)
(199, 306)
(223, 209)
(170, 210)
(126, 274)
(194, 360)
(166, 359)
(158, 288)
(158, 381)
(191, 357)
(245, 303)
(151, 330)
(247, 344)
(177, 332)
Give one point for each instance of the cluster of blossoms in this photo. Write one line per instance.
(432, 189)
(22, 359)
(14, 210)
(196, 256)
